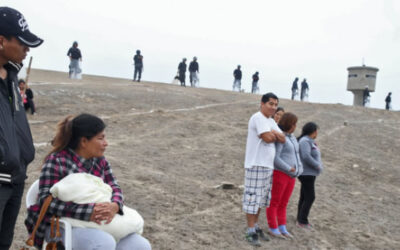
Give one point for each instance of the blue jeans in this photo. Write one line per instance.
(95, 239)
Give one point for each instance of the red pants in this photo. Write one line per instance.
(282, 188)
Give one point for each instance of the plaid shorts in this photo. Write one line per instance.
(257, 188)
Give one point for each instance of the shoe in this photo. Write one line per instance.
(252, 238)
(304, 226)
(262, 235)
(276, 235)
(287, 235)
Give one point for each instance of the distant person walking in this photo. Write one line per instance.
(193, 72)
(312, 166)
(388, 101)
(287, 166)
(75, 57)
(366, 96)
(27, 96)
(304, 90)
(262, 134)
(254, 84)
(295, 88)
(182, 72)
(16, 144)
(237, 82)
(138, 61)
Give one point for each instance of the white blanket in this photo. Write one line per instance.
(82, 188)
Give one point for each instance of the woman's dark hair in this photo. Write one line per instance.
(279, 109)
(287, 121)
(308, 129)
(71, 129)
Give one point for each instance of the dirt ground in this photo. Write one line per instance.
(170, 146)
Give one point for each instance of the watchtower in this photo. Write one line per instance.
(358, 79)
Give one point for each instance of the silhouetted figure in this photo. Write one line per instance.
(237, 82)
(366, 96)
(295, 88)
(182, 72)
(304, 89)
(193, 71)
(254, 85)
(138, 61)
(27, 96)
(388, 101)
(75, 56)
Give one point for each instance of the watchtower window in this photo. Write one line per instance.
(352, 75)
(370, 76)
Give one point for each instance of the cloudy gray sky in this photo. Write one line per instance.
(313, 39)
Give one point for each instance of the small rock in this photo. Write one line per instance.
(345, 123)
(355, 166)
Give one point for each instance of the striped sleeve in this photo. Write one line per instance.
(116, 189)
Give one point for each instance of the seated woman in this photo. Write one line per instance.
(78, 147)
(27, 96)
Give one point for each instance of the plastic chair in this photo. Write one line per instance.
(32, 199)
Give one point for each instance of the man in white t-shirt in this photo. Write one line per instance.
(263, 132)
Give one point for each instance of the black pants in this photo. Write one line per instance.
(307, 197)
(138, 71)
(30, 105)
(182, 78)
(10, 203)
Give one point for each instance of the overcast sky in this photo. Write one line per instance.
(313, 39)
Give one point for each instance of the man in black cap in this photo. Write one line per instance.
(138, 61)
(366, 96)
(304, 90)
(16, 145)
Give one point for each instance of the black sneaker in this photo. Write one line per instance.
(262, 235)
(252, 238)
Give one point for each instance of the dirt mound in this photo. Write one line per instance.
(171, 146)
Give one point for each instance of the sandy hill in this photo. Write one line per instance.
(170, 146)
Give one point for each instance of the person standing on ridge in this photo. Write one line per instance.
(182, 72)
(75, 56)
(254, 84)
(388, 101)
(237, 74)
(262, 134)
(138, 61)
(193, 72)
(16, 144)
(295, 88)
(304, 90)
(366, 96)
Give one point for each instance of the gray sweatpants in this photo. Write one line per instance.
(95, 239)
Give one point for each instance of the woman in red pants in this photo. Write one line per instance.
(288, 166)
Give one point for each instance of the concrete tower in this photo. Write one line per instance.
(360, 77)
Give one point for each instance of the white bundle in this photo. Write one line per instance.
(82, 188)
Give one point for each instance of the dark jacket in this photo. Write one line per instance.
(255, 78)
(74, 53)
(182, 67)
(138, 59)
(16, 145)
(193, 66)
(237, 74)
(29, 93)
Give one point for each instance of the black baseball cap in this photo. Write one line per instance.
(13, 23)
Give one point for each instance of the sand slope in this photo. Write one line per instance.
(170, 146)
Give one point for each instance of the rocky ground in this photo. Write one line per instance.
(171, 146)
